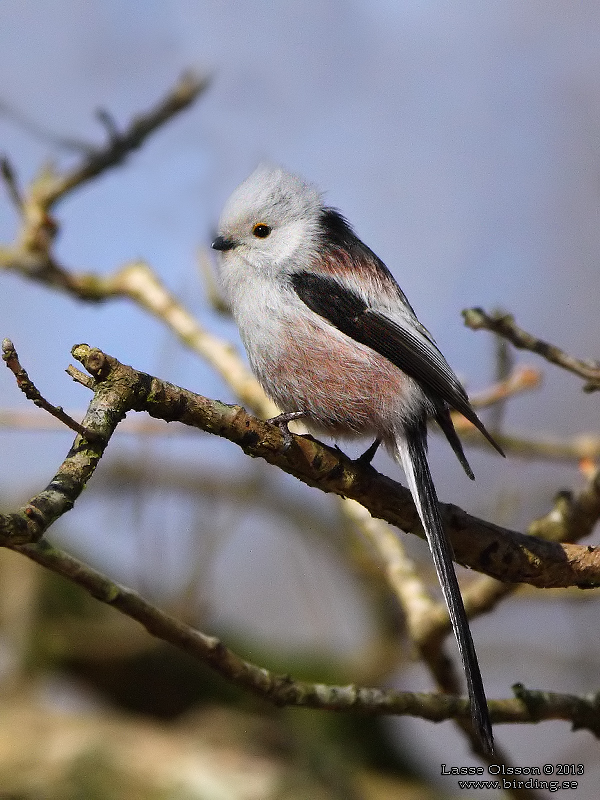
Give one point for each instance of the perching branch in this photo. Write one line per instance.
(504, 554)
(504, 325)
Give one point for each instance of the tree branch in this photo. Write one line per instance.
(520, 379)
(31, 392)
(504, 554)
(52, 188)
(505, 325)
(32, 253)
(527, 707)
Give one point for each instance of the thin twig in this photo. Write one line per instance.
(41, 132)
(10, 179)
(119, 145)
(504, 325)
(32, 254)
(31, 392)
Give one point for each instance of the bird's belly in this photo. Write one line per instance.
(344, 387)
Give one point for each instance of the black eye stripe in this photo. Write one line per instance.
(261, 230)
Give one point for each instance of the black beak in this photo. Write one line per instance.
(221, 243)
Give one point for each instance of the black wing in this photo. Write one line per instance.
(405, 346)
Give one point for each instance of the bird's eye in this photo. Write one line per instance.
(261, 231)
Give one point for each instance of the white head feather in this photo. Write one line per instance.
(291, 209)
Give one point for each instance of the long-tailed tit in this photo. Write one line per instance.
(332, 339)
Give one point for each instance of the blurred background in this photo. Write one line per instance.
(462, 142)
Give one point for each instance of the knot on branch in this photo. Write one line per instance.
(96, 362)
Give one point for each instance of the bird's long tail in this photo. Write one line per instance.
(411, 451)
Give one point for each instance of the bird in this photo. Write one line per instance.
(333, 340)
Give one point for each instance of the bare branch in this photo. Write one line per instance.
(521, 379)
(581, 446)
(32, 254)
(527, 707)
(504, 554)
(504, 325)
(31, 392)
(10, 179)
(120, 145)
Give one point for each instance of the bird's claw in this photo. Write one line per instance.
(282, 423)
